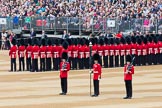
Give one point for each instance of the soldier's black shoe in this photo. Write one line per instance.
(62, 94)
(94, 95)
(125, 97)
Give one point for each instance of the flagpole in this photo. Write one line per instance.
(90, 63)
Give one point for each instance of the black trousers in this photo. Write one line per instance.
(13, 64)
(56, 64)
(74, 63)
(34, 65)
(117, 61)
(150, 61)
(121, 61)
(86, 63)
(48, 64)
(96, 87)
(28, 64)
(160, 58)
(64, 85)
(81, 63)
(21, 63)
(105, 60)
(128, 86)
(155, 59)
(143, 60)
(42, 64)
(139, 60)
(111, 59)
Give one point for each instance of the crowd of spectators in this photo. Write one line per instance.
(91, 11)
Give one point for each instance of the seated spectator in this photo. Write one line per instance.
(119, 35)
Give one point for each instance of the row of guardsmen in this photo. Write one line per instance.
(146, 49)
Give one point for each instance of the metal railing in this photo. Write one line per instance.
(80, 24)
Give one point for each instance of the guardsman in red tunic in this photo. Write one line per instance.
(111, 58)
(81, 54)
(94, 47)
(116, 49)
(75, 54)
(122, 51)
(56, 55)
(12, 54)
(134, 48)
(155, 50)
(21, 54)
(35, 55)
(48, 55)
(28, 55)
(96, 74)
(86, 54)
(64, 69)
(128, 46)
(150, 50)
(42, 54)
(144, 51)
(70, 51)
(160, 49)
(128, 71)
(139, 51)
(106, 52)
(100, 49)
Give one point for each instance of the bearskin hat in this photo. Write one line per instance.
(65, 44)
(22, 41)
(122, 40)
(13, 41)
(133, 39)
(64, 55)
(43, 42)
(96, 57)
(29, 41)
(128, 58)
(101, 42)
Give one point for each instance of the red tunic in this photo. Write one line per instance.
(128, 76)
(117, 48)
(12, 52)
(28, 51)
(74, 51)
(56, 51)
(86, 51)
(49, 51)
(96, 71)
(111, 50)
(70, 51)
(160, 47)
(42, 51)
(21, 52)
(133, 49)
(139, 50)
(81, 52)
(94, 49)
(64, 72)
(144, 49)
(106, 49)
(150, 48)
(100, 50)
(155, 48)
(128, 49)
(35, 52)
(122, 49)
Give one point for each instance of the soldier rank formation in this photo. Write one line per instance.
(65, 54)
